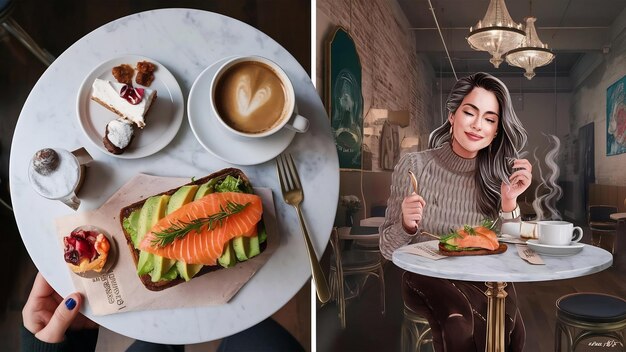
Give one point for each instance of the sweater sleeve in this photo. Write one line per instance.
(392, 234)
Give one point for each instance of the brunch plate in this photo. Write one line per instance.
(556, 251)
(162, 120)
(217, 140)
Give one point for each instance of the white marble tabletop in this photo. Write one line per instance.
(506, 267)
(186, 42)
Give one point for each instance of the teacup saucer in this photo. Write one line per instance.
(558, 251)
(217, 140)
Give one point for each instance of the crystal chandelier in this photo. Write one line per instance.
(532, 53)
(496, 33)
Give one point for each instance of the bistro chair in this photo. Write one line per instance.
(10, 25)
(416, 334)
(349, 262)
(601, 224)
(583, 316)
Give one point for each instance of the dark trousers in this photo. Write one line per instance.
(457, 312)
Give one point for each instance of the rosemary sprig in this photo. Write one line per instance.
(180, 229)
(470, 230)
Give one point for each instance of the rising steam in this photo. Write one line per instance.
(553, 192)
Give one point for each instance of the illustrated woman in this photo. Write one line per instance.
(471, 172)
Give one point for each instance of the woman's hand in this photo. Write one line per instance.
(518, 182)
(412, 210)
(48, 316)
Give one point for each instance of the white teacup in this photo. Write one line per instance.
(253, 97)
(558, 233)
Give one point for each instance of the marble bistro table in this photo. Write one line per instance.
(185, 42)
(496, 270)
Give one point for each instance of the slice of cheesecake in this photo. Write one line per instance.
(128, 102)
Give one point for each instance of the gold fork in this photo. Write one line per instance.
(292, 194)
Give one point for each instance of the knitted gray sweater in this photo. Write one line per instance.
(446, 182)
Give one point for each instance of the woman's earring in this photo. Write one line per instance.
(451, 133)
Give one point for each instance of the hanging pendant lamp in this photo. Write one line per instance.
(496, 33)
(532, 54)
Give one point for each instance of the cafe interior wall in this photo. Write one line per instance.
(394, 77)
(592, 76)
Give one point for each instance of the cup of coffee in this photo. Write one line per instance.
(253, 97)
(558, 233)
(57, 174)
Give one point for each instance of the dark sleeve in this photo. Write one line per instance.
(78, 340)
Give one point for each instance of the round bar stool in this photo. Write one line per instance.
(415, 332)
(584, 315)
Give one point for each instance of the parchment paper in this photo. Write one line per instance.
(121, 290)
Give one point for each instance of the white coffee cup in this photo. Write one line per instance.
(558, 233)
(253, 97)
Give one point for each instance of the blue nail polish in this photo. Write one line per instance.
(70, 303)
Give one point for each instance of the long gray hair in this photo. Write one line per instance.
(494, 162)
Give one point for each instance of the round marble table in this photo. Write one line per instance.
(496, 270)
(186, 42)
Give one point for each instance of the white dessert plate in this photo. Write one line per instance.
(558, 251)
(219, 141)
(162, 120)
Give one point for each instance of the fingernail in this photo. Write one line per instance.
(70, 303)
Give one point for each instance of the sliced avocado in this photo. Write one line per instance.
(242, 247)
(228, 258)
(187, 271)
(145, 264)
(152, 211)
(261, 232)
(182, 196)
(130, 224)
(255, 248)
(206, 188)
(160, 267)
(170, 274)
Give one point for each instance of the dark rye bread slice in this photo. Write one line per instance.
(126, 211)
(443, 251)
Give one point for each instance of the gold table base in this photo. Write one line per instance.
(495, 316)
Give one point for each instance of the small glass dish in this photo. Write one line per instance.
(111, 256)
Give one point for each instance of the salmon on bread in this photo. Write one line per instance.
(205, 245)
(468, 238)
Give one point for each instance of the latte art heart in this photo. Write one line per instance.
(250, 97)
(247, 101)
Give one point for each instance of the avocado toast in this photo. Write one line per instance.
(158, 264)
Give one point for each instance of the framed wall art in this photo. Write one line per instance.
(616, 118)
(343, 97)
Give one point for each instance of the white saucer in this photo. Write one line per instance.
(558, 251)
(162, 121)
(219, 141)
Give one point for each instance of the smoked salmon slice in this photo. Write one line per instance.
(206, 246)
(482, 237)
